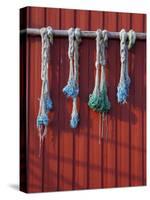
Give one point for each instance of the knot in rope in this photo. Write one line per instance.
(103, 45)
(45, 100)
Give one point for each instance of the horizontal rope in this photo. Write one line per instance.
(86, 34)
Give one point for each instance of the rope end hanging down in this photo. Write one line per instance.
(72, 87)
(74, 115)
(45, 101)
(105, 103)
(127, 40)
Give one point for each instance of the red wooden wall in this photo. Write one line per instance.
(73, 159)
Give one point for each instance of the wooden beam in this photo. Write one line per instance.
(86, 34)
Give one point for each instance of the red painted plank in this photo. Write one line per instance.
(144, 106)
(81, 135)
(109, 148)
(144, 118)
(123, 160)
(66, 133)
(145, 23)
(95, 164)
(51, 155)
(35, 174)
(137, 106)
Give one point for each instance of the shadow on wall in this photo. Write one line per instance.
(117, 111)
(60, 70)
(70, 164)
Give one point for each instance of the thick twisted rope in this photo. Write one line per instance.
(72, 87)
(127, 41)
(45, 100)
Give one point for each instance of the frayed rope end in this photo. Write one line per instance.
(42, 120)
(122, 93)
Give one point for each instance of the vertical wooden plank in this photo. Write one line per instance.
(81, 135)
(144, 104)
(51, 141)
(35, 175)
(66, 133)
(109, 152)
(123, 121)
(95, 164)
(137, 106)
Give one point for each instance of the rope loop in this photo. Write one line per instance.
(123, 36)
(105, 37)
(77, 34)
(50, 34)
(131, 38)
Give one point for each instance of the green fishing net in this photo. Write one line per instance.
(100, 102)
